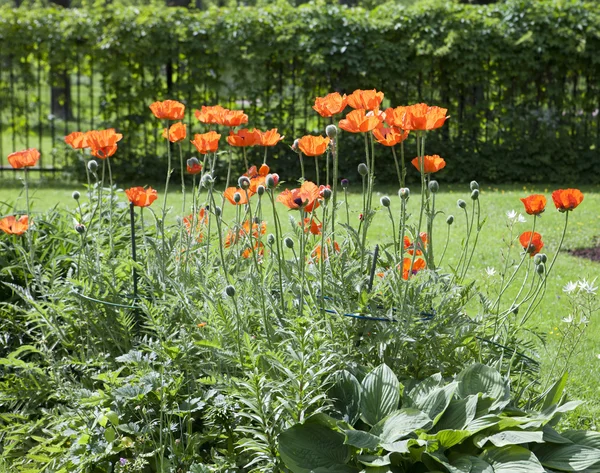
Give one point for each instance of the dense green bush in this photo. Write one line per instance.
(520, 78)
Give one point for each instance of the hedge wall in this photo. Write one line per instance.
(521, 79)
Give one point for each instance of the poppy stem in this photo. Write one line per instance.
(245, 159)
(279, 250)
(334, 151)
(182, 178)
(301, 166)
(347, 206)
(402, 182)
(133, 251)
(164, 209)
(445, 246)
(421, 153)
(317, 169)
(397, 168)
(265, 156)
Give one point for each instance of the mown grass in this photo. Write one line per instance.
(583, 231)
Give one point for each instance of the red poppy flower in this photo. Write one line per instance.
(206, 142)
(395, 117)
(12, 226)
(230, 192)
(168, 110)
(330, 105)
(313, 145)
(141, 197)
(259, 247)
(177, 132)
(430, 164)
(389, 136)
(311, 225)
(201, 222)
(270, 137)
(359, 121)
(234, 237)
(365, 99)
(244, 137)
(567, 199)
(423, 117)
(409, 247)
(195, 168)
(76, 140)
(212, 115)
(316, 253)
(305, 197)
(416, 267)
(534, 204)
(24, 159)
(233, 118)
(103, 143)
(257, 177)
(531, 244)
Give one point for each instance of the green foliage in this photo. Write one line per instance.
(519, 78)
(460, 425)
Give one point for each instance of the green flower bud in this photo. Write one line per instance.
(326, 193)
(230, 291)
(244, 182)
(434, 186)
(237, 197)
(288, 242)
(544, 257)
(76, 195)
(271, 239)
(385, 201)
(363, 170)
(260, 190)
(345, 183)
(540, 268)
(218, 211)
(537, 259)
(450, 219)
(461, 203)
(80, 228)
(474, 185)
(207, 180)
(331, 131)
(404, 193)
(475, 194)
(92, 165)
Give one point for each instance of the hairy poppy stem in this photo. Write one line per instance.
(421, 153)
(279, 250)
(164, 209)
(133, 251)
(397, 168)
(317, 169)
(334, 150)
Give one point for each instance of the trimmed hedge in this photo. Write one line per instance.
(521, 79)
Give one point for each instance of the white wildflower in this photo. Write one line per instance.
(521, 219)
(588, 286)
(490, 271)
(568, 319)
(511, 214)
(570, 287)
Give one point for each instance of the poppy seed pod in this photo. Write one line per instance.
(461, 203)
(237, 197)
(260, 190)
(80, 228)
(271, 239)
(288, 242)
(92, 165)
(385, 201)
(434, 187)
(327, 193)
(244, 182)
(540, 268)
(76, 195)
(450, 219)
(230, 291)
(474, 185)
(475, 194)
(218, 211)
(345, 183)
(331, 131)
(363, 170)
(404, 193)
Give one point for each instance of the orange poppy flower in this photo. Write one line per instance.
(233, 118)
(423, 117)
(416, 267)
(244, 137)
(316, 253)
(259, 247)
(430, 163)
(270, 137)
(365, 99)
(168, 110)
(567, 199)
(103, 143)
(534, 246)
(312, 226)
(409, 247)
(24, 159)
(177, 132)
(305, 197)
(313, 145)
(395, 117)
(195, 168)
(389, 136)
(211, 115)
(12, 226)
(257, 177)
(141, 197)
(230, 192)
(358, 121)
(76, 140)
(330, 105)
(534, 204)
(206, 142)
(234, 237)
(202, 221)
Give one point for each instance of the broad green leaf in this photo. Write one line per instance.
(512, 459)
(110, 434)
(583, 437)
(424, 388)
(458, 414)
(568, 457)
(436, 401)
(555, 392)
(510, 437)
(374, 460)
(400, 424)
(361, 439)
(552, 436)
(431, 459)
(380, 394)
(403, 446)
(346, 394)
(470, 464)
(311, 446)
(448, 438)
(483, 423)
(479, 378)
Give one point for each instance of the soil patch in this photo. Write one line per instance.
(589, 253)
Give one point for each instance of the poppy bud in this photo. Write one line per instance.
(289, 242)
(475, 194)
(461, 203)
(385, 201)
(450, 219)
(270, 182)
(207, 180)
(544, 257)
(271, 239)
(237, 197)
(244, 182)
(218, 211)
(179, 220)
(540, 268)
(92, 165)
(295, 146)
(363, 170)
(474, 185)
(404, 193)
(260, 190)
(256, 220)
(434, 186)
(76, 195)
(537, 259)
(345, 183)
(326, 193)
(331, 131)
(193, 162)
(230, 291)
(80, 228)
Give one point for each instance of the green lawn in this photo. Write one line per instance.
(584, 231)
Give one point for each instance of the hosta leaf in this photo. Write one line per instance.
(552, 436)
(346, 394)
(361, 439)
(512, 459)
(479, 378)
(555, 392)
(470, 464)
(510, 437)
(436, 401)
(403, 446)
(582, 437)
(458, 414)
(569, 457)
(448, 438)
(374, 460)
(380, 395)
(425, 387)
(400, 424)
